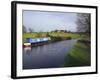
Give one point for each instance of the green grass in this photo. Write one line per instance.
(47, 34)
(78, 56)
(62, 34)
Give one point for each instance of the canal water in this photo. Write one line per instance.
(47, 56)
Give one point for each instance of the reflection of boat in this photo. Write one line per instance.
(27, 48)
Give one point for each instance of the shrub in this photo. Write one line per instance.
(68, 38)
(87, 42)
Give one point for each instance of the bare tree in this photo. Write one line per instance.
(83, 22)
(31, 30)
(24, 29)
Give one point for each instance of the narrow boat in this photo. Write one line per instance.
(36, 41)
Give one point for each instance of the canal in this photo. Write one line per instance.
(47, 56)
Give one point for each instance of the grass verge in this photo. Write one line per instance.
(78, 56)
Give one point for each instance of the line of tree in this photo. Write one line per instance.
(31, 30)
(27, 30)
(60, 31)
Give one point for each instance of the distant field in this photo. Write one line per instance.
(48, 34)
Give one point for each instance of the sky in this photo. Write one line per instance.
(44, 21)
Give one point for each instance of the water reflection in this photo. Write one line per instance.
(47, 56)
(27, 50)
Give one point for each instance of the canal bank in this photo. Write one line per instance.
(79, 55)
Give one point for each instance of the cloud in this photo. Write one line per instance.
(48, 21)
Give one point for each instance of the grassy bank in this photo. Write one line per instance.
(79, 55)
(50, 34)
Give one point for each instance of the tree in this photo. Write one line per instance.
(24, 29)
(31, 30)
(83, 23)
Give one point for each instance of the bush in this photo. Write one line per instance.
(68, 38)
(56, 38)
(86, 42)
(83, 41)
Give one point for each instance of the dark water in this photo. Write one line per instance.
(47, 56)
